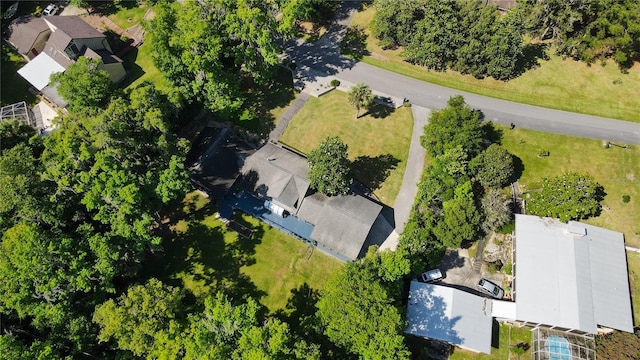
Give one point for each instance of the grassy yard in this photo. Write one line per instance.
(140, 65)
(508, 336)
(128, 15)
(633, 261)
(14, 88)
(378, 141)
(617, 169)
(560, 84)
(203, 257)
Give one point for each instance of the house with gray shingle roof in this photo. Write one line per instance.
(344, 226)
(53, 43)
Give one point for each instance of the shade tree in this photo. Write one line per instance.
(84, 85)
(571, 196)
(329, 171)
(455, 125)
(360, 96)
(360, 315)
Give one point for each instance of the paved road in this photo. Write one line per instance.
(324, 57)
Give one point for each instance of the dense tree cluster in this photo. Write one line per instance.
(84, 85)
(466, 35)
(455, 201)
(207, 48)
(587, 29)
(77, 211)
(571, 196)
(358, 307)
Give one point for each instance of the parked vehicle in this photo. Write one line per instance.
(490, 288)
(431, 276)
(50, 10)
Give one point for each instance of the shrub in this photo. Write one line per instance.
(626, 198)
(543, 153)
(508, 269)
(508, 228)
(494, 267)
(335, 83)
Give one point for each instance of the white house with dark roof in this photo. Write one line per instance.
(343, 225)
(53, 43)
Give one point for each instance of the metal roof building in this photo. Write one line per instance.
(570, 277)
(450, 315)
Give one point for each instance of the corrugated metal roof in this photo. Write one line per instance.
(39, 70)
(450, 315)
(567, 280)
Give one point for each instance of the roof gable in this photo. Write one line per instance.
(24, 31)
(73, 26)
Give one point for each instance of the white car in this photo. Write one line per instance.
(50, 10)
(431, 276)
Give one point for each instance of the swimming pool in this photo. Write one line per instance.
(558, 348)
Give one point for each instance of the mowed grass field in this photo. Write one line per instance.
(508, 337)
(557, 83)
(616, 169)
(633, 261)
(203, 257)
(378, 141)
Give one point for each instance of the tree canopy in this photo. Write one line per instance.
(468, 36)
(207, 48)
(84, 85)
(494, 166)
(359, 313)
(456, 124)
(329, 171)
(571, 196)
(587, 30)
(360, 96)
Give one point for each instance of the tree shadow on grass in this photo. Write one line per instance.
(261, 99)
(373, 171)
(518, 168)
(354, 43)
(204, 258)
(531, 56)
(492, 133)
(379, 111)
(300, 314)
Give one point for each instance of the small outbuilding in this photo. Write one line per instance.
(450, 315)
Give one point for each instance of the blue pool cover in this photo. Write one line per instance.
(558, 348)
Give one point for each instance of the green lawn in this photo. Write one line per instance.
(203, 257)
(129, 14)
(14, 88)
(617, 169)
(633, 261)
(560, 84)
(508, 337)
(378, 141)
(282, 264)
(140, 65)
